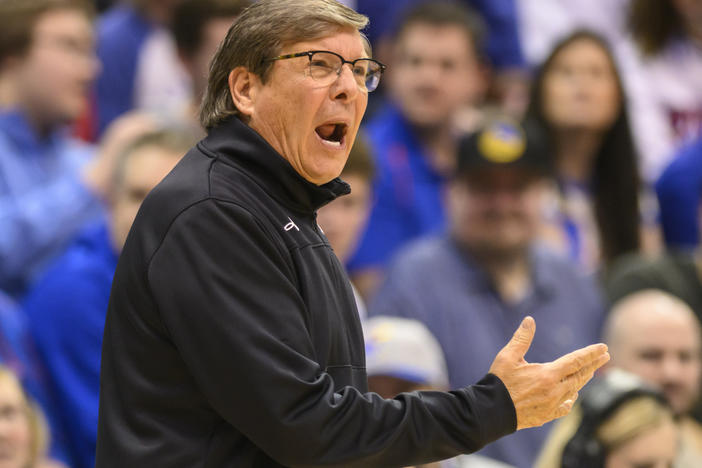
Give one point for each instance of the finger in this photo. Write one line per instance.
(522, 338)
(577, 380)
(576, 360)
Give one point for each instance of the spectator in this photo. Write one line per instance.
(676, 273)
(67, 307)
(679, 191)
(617, 423)
(198, 27)
(577, 96)
(343, 219)
(662, 69)
(46, 67)
(436, 70)
(472, 286)
(23, 432)
(403, 356)
(140, 67)
(502, 45)
(657, 337)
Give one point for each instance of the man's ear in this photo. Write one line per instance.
(243, 86)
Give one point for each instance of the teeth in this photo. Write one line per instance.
(332, 143)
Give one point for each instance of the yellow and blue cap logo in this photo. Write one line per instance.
(502, 142)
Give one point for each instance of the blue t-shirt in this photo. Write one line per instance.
(678, 190)
(66, 312)
(43, 202)
(435, 282)
(408, 192)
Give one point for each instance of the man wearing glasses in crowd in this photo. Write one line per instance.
(232, 337)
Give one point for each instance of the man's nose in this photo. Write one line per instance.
(429, 71)
(6, 428)
(671, 369)
(345, 86)
(504, 197)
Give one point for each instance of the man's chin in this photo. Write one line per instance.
(424, 117)
(498, 251)
(680, 403)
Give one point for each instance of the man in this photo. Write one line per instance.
(436, 71)
(472, 286)
(502, 45)
(231, 337)
(66, 309)
(47, 64)
(656, 336)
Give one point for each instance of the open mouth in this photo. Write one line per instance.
(332, 134)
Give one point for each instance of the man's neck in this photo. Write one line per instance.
(41, 126)
(440, 146)
(8, 100)
(510, 274)
(575, 153)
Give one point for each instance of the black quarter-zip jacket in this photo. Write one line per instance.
(232, 337)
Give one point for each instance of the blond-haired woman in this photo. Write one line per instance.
(619, 423)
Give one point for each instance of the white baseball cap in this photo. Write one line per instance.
(405, 349)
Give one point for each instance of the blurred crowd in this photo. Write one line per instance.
(520, 157)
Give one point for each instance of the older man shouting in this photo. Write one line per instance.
(232, 337)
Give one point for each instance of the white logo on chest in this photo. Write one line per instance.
(291, 225)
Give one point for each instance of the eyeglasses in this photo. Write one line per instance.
(325, 66)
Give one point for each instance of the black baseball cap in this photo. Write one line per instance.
(503, 142)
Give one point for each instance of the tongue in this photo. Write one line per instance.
(326, 131)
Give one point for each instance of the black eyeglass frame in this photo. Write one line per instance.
(310, 53)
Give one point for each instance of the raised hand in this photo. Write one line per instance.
(542, 392)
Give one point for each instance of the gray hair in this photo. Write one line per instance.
(259, 33)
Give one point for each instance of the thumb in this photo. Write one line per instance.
(521, 340)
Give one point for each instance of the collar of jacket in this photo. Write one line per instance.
(236, 141)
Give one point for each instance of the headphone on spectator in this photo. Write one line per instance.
(598, 402)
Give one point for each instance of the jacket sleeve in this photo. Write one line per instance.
(227, 295)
